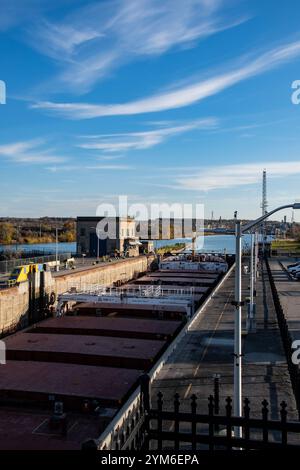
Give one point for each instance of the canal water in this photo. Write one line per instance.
(209, 243)
(41, 247)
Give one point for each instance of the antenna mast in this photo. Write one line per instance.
(264, 205)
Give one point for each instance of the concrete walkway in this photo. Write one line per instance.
(207, 349)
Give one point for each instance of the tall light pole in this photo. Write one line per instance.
(238, 304)
(252, 275)
(251, 326)
(56, 250)
(255, 258)
(237, 371)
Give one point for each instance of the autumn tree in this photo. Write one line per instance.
(7, 232)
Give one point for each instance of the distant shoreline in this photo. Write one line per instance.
(43, 242)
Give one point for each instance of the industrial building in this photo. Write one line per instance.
(123, 241)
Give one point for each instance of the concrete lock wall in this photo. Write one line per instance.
(15, 301)
(123, 270)
(14, 304)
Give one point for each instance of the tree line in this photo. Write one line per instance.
(36, 232)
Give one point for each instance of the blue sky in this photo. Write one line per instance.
(164, 101)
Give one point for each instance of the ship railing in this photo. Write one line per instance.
(149, 291)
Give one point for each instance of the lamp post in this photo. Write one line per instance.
(237, 371)
(238, 304)
(252, 276)
(56, 250)
(255, 258)
(251, 326)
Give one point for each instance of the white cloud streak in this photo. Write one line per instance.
(232, 176)
(183, 96)
(70, 168)
(29, 152)
(98, 38)
(143, 140)
(61, 41)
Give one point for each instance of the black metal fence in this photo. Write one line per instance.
(159, 428)
(211, 431)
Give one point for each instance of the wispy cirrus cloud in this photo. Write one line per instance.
(143, 140)
(71, 168)
(184, 96)
(231, 176)
(62, 41)
(32, 151)
(96, 39)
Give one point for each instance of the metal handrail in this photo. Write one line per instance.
(148, 291)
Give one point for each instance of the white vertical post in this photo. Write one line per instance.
(252, 271)
(255, 261)
(255, 258)
(238, 327)
(56, 249)
(251, 320)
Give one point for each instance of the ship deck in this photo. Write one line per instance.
(109, 326)
(90, 360)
